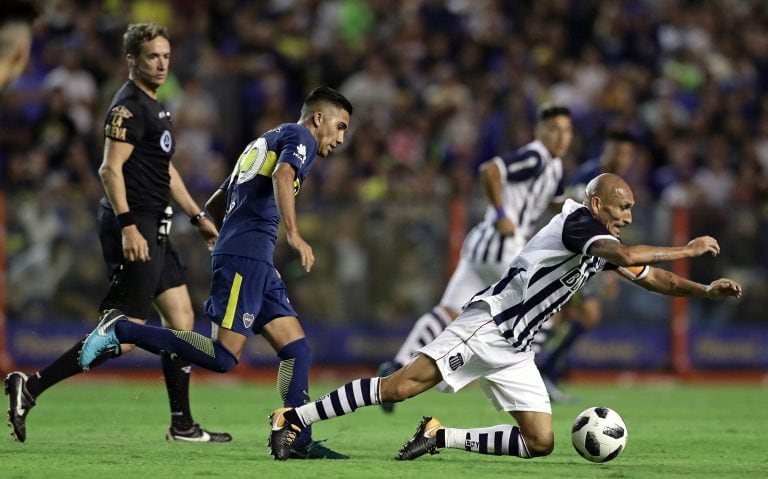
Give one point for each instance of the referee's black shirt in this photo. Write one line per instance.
(137, 119)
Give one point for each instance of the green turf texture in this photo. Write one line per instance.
(95, 428)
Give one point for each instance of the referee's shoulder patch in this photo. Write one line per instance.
(121, 111)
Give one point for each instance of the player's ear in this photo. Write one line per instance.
(594, 204)
(317, 118)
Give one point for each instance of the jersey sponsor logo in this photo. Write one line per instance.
(114, 128)
(164, 114)
(256, 159)
(114, 132)
(573, 279)
(456, 361)
(301, 153)
(121, 112)
(166, 141)
(248, 320)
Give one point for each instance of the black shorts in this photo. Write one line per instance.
(134, 284)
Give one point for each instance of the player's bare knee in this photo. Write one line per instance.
(124, 348)
(540, 443)
(394, 390)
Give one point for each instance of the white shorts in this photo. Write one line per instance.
(472, 348)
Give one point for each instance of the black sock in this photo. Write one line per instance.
(176, 373)
(60, 369)
(293, 418)
(440, 438)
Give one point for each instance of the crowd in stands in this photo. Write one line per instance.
(438, 87)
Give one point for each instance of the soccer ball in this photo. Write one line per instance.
(599, 434)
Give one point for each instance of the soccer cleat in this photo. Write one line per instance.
(101, 340)
(196, 434)
(19, 404)
(316, 450)
(424, 441)
(385, 369)
(282, 434)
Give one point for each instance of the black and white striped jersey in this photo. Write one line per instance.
(552, 266)
(533, 179)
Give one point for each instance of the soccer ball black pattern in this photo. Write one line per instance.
(599, 434)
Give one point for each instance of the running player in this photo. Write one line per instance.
(491, 340)
(247, 294)
(520, 187)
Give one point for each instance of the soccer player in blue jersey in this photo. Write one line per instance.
(490, 341)
(585, 312)
(520, 187)
(247, 294)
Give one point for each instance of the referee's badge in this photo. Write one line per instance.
(248, 319)
(166, 141)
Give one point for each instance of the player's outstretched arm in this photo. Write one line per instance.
(634, 255)
(666, 282)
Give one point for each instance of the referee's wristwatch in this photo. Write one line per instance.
(195, 220)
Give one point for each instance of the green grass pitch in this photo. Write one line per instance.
(97, 428)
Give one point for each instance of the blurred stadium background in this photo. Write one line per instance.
(438, 87)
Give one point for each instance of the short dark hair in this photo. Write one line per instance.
(548, 110)
(18, 11)
(325, 94)
(620, 136)
(138, 33)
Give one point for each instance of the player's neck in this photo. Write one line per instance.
(152, 93)
(309, 125)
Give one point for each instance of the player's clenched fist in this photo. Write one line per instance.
(703, 245)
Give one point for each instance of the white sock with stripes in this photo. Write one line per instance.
(501, 440)
(426, 329)
(354, 394)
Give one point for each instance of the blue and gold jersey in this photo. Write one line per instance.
(252, 218)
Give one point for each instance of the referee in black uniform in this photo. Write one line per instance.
(134, 223)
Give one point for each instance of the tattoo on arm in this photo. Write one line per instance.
(660, 257)
(672, 285)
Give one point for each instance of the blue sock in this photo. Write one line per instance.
(293, 380)
(189, 345)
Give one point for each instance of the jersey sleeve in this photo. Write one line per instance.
(125, 122)
(581, 230)
(293, 149)
(520, 166)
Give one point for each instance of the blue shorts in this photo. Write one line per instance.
(246, 294)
